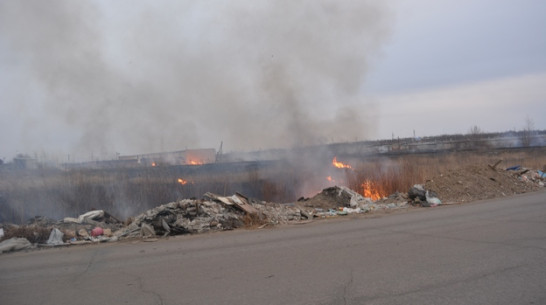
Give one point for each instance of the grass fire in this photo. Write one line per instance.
(340, 164)
(131, 184)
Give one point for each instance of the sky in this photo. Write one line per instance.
(83, 80)
(450, 65)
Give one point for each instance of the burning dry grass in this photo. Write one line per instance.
(127, 192)
(389, 175)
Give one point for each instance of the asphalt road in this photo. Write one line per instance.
(489, 252)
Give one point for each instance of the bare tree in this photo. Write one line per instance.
(474, 137)
(474, 130)
(527, 132)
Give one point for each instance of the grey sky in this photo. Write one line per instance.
(453, 64)
(454, 42)
(95, 78)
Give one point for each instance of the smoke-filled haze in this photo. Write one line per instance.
(87, 77)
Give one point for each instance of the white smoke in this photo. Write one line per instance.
(137, 77)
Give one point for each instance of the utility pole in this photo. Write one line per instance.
(219, 153)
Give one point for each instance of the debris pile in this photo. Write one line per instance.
(278, 213)
(340, 200)
(218, 213)
(93, 226)
(417, 194)
(14, 244)
(397, 198)
(528, 175)
(183, 217)
(212, 213)
(93, 217)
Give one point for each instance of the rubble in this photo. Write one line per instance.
(183, 217)
(40, 221)
(89, 227)
(55, 238)
(69, 234)
(397, 198)
(334, 197)
(212, 213)
(417, 194)
(278, 213)
(15, 244)
(431, 199)
(107, 232)
(83, 233)
(45, 232)
(93, 217)
(218, 213)
(147, 230)
(339, 201)
(239, 201)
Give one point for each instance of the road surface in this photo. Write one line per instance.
(489, 252)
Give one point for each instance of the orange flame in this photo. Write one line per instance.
(154, 164)
(340, 164)
(370, 191)
(329, 178)
(194, 162)
(182, 181)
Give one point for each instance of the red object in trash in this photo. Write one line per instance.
(97, 231)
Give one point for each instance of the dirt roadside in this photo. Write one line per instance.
(484, 182)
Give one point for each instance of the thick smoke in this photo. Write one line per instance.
(130, 77)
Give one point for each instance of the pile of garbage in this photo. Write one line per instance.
(15, 244)
(93, 226)
(340, 200)
(212, 213)
(183, 217)
(528, 175)
(418, 195)
(283, 213)
(219, 213)
(188, 216)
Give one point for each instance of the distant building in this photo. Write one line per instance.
(25, 162)
(182, 157)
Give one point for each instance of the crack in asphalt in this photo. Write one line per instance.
(88, 266)
(143, 290)
(346, 287)
(141, 287)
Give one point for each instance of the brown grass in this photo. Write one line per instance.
(253, 221)
(389, 175)
(128, 192)
(34, 234)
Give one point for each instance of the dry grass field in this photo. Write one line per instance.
(388, 175)
(58, 193)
